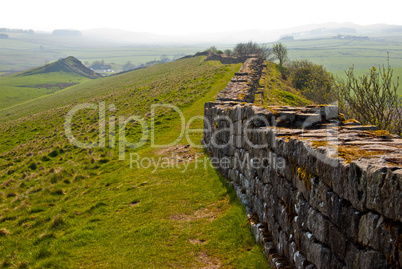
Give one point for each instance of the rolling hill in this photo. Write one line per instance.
(67, 65)
(36, 82)
(63, 206)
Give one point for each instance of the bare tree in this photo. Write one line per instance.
(250, 48)
(281, 53)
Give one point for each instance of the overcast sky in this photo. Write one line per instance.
(177, 17)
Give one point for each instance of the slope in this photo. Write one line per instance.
(276, 89)
(31, 84)
(64, 206)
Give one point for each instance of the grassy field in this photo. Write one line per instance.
(66, 207)
(339, 54)
(16, 89)
(36, 82)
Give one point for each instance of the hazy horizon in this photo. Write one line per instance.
(181, 18)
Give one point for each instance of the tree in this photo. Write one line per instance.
(313, 81)
(372, 98)
(213, 49)
(281, 53)
(164, 58)
(250, 48)
(228, 52)
(128, 66)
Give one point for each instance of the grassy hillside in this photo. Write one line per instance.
(36, 82)
(68, 207)
(67, 65)
(278, 90)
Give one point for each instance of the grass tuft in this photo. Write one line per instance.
(4, 232)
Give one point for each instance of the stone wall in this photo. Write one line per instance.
(226, 59)
(319, 192)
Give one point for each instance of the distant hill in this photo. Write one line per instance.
(44, 80)
(66, 32)
(67, 65)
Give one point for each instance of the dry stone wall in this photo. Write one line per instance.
(319, 192)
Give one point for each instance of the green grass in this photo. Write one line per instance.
(67, 207)
(338, 54)
(278, 90)
(16, 89)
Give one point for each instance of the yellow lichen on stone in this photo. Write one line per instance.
(241, 96)
(351, 153)
(304, 176)
(317, 144)
(350, 121)
(380, 133)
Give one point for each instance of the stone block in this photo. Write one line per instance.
(318, 225)
(356, 185)
(368, 230)
(372, 259)
(337, 242)
(318, 197)
(391, 195)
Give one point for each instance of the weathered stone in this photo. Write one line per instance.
(317, 253)
(337, 242)
(372, 259)
(352, 258)
(318, 225)
(357, 184)
(318, 210)
(367, 230)
(391, 195)
(318, 198)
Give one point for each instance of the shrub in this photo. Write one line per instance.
(313, 81)
(372, 98)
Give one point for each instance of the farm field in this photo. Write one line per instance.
(339, 54)
(24, 51)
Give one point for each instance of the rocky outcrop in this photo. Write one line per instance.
(319, 192)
